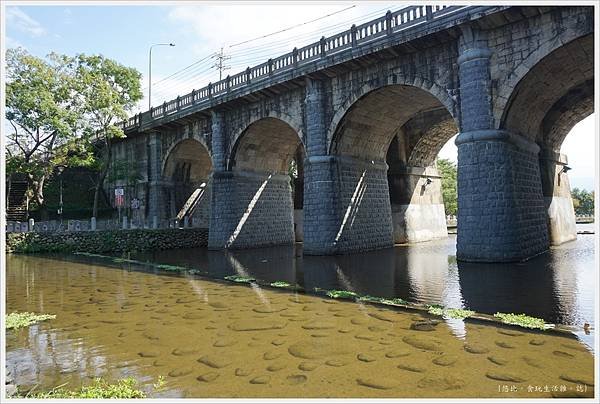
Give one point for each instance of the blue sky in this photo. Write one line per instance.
(125, 33)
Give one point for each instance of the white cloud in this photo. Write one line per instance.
(224, 25)
(10, 42)
(17, 19)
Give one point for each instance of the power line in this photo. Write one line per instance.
(251, 54)
(290, 28)
(182, 70)
(310, 34)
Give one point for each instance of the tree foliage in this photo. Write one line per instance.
(447, 170)
(64, 111)
(108, 90)
(583, 202)
(44, 119)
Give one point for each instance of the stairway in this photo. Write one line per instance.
(16, 209)
(191, 203)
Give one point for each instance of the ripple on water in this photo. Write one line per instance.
(308, 366)
(441, 383)
(378, 383)
(270, 355)
(208, 377)
(180, 372)
(253, 325)
(296, 379)
(423, 342)
(215, 361)
(260, 380)
(311, 349)
(505, 376)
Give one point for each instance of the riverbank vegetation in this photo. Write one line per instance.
(124, 388)
(51, 130)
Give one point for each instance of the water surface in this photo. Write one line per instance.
(210, 339)
(558, 286)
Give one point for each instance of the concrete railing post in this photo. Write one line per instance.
(154, 222)
(248, 73)
(428, 13)
(295, 56)
(353, 34)
(125, 222)
(93, 224)
(322, 46)
(388, 22)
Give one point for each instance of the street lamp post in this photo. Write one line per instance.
(150, 71)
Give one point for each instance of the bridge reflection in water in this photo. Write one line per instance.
(557, 286)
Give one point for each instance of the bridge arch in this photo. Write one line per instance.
(551, 96)
(393, 80)
(385, 142)
(187, 168)
(546, 79)
(257, 199)
(266, 144)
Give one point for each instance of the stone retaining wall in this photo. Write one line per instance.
(106, 241)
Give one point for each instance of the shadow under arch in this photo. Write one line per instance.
(549, 99)
(187, 170)
(385, 145)
(254, 196)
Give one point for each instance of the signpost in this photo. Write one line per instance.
(119, 200)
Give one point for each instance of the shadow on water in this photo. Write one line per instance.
(557, 286)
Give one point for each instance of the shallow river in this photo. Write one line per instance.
(214, 339)
(558, 286)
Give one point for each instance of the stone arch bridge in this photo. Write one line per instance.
(359, 118)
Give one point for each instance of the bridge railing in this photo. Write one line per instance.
(389, 24)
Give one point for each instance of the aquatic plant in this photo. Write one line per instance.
(20, 320)
(124, 388)
(438, 310)
(160, 384)
(522, 320)
(342, 294)
(166, 267)
(382, 300)
(240, 279)
(280, 284)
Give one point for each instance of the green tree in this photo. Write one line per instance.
(108, 91)
(583, 201)
(44, 119)
(447, 170)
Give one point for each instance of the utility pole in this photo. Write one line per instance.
(220, 56)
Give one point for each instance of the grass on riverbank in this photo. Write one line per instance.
(124, 388)
(21, 320)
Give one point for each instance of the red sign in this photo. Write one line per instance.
(119, 197)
